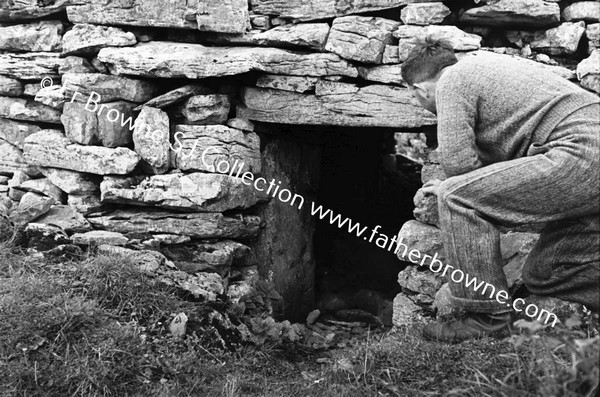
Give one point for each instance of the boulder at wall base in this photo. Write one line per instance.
(65, 218)
(50, 148)
(193, 192)
(406, 312)
(31, 206)
(196, 225)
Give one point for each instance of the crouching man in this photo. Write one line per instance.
(519, 145)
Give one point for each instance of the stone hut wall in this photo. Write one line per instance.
(107, 107)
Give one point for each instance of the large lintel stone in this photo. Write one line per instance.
(195, 61)
(514, 13)
(306, 10)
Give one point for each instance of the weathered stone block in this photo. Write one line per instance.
(406, 312)
(423, 238)
(389, 74)
(562, 40)
(175, 96)
(227, 16)
(99, 237)
(205, 109)
(195, 61)
(106, 88)
(45, 187)
(306, 10)
(426, 208)
(588, 72)
(512, 13)
(27, 110)
(207, 257)
(30, 65)
(287, 83)
(75, 64)
(72, 182)
(458, 39)
(65, 218)
(32, 9)
(199, 191)
(36, 36)
(424, 13)
(11, 160)
(110, 128)
(86, 39)
(50, 148)
(370, 106)
(31, 206)
(588, 11)
(85, 203)
(592, 32)
(15, 132)
(420, 281)
(390, 55)
(360, 38)
(195, 225)
(10, 87)
(238, 150)
(151, 139)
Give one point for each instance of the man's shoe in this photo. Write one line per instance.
(474, 325)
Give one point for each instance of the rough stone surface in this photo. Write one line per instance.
(390, 55)
(424, 13)
(74, 64)
(423, 238)
(562, 40)
(175, 96)
(288, 83)
(31, 206)
(72, 182)
(85, 203)
(406, 312)
(360, 38)
(15, 132)
(195, 225)
(43, 186)
(306, 10)
(389, 74)
(53, 96)
(86, 39)
(109, 88)
(193, 192)
(241, 124)
(10, 87)
(347, 105)
(205, 109)
(11, 160)
(65, 218)
(423, 282)
(50, 148)
(110, 127)
(304, 35)
(215, 257)
(588, 72)
(195, 61)
(98, 237)
(36, 36)
(228, 16)
(426, 208)
(14, 183)
(507, 13)
(442, 302)
(30, 65)
(27, 110)
(151, 139)
(588, 11)
(240, 150)
(592, 32)
(31, 9)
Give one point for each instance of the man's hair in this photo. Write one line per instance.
(427, 59)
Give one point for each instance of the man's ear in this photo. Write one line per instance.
(421, 89)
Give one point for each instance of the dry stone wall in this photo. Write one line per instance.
(107, 106)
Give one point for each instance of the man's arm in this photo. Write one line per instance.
(456, 104)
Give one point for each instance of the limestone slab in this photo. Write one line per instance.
(15, 132)
(287, 83)
(85, 203)
(31, 206)
(215, 257)
(424, 13)
(202, 148)
(87, 39)
(195, 225)
(360, 38)
(28, 110)
(370, 106)
(30, 65)
(513, 13)
(108, 88)
(205, 109)
(75, 64)
(43, 186)
(561, 40)
(72, 182)
(151, 139)
(389, 74)
(458, 39)
(65, 218)
(307, 10)
(202, 192)
(110, 127)
(33, 9)
(303, 35)
(420, 281)
(50, 148)
(10, 87)
(98, 237)
(195, 61)
(592, 32)
(226, 16)
(35, 36)
(11, 160)
(588, 11)
(175, 96)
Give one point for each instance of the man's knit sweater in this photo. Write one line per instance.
(491, 108)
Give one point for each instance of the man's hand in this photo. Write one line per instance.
(431, 187)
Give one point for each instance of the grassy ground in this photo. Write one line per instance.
(96, 326)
